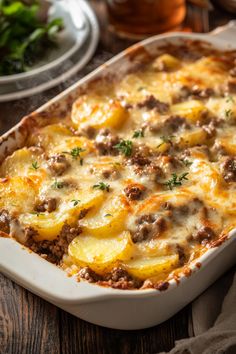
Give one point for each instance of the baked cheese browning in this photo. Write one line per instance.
(138, 181)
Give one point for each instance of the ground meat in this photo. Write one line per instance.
(139, 159)
(111, 173)
(209, 129)
(48, 204)
(231, 86)
(120, 279)
(105, 142)
(233, 72)
(194, 92)
(134, 192)
(89, 275)
(88, 131)
(58, 164)
(54, 250)
(204, 234)
(170, 125)
(4, 222)
(228, 168)
(152, 103)
(148, 226)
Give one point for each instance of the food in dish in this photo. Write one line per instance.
(137, 179)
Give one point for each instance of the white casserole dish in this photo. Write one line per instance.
(120, 309)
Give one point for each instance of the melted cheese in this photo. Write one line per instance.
(180, 193)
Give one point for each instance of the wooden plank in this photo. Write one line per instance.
(78, 336)
(28, 325)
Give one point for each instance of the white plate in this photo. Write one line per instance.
(60, 72)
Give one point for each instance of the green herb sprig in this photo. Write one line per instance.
(103, 186)
(75, 202)
(35, 166)
(166, 139)
(57, 185)
(125, 147)
(176, 180)
(138, 134)
(75, 153)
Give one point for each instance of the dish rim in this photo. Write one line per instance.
(101, 292)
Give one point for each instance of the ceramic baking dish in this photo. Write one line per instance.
(121, 309)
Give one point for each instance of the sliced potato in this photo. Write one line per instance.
(193, 138)
(107, 219)
(144, 268)
(22, 162)
(97, 112)
(191, 110)
(50, 135)
(100, 254)
(166, 62)
(49, 225)
(18, 194)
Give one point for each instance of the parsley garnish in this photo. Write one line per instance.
(230, 99)
(165, 139)
(75, 201)
(75, 153)
(36, 213)
(103, 186)
(58, 185)
(138, 134)
(106, 215)
(35, 165)
(186, 162)
(125, 147)
(141, 88)
(228, 113)
(176, 180)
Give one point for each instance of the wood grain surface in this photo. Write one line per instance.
(30, 325)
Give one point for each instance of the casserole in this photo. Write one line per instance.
(119, 310)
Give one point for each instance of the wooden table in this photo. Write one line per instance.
(29, 324)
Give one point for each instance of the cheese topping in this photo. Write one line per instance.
(138, 181)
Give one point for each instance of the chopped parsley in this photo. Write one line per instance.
(187, 162)
(138, 134)
(230, 99)
(57, 185)
(103, 186)
(176, 181)
(35, 165)
(165, 139)
(141, 88)
(75, 201)
(75, 153)
(125, 147)
(228, 113)
(36, 213)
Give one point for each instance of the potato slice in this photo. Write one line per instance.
(49, 225)
(100, 254)
(191, 110)
(97, 112)
(18, 194)
(107, 220)
(193, 138)
(22, 162)
(166, 62)
(144, 268)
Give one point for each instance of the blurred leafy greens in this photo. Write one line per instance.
(23, 36)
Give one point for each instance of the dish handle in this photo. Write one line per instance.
(227, 32)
